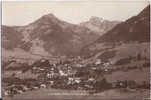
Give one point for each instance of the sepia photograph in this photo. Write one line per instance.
(75, 50)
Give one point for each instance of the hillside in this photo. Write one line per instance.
(123, 38)
(134, 29)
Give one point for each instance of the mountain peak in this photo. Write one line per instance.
(96, 19)
(50, 15)
(46, 19)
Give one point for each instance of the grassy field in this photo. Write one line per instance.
(53, 94)
(135, 74)
(25, 75)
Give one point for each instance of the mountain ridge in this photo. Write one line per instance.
(99, 25)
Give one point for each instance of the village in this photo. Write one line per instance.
(69, 74)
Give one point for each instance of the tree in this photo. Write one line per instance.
(138, 56)
(102, 85)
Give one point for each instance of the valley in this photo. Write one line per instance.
(97, 59)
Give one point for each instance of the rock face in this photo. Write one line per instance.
(47, 35)
(99, 25)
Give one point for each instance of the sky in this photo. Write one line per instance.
(24, 12)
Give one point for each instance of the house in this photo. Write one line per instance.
(19, 91)
(62, 73)
(51, 82)
(91, 79)
(77, 80)
(25, 88)
(98, 62)
(79, 65)
(106, 64)
(70, 80)
(41, 69)
(43, 86)
(35, 87)
(51, 75)
(7, 92)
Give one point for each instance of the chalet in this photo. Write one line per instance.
(98, 62)
(106, 64)
(79, 65)
(25, 88)
(7, 92)
(62, 73)
(43, 86)
(77, 80)
(70, 81)
(51, 82)
(19, 91)
(91, 79)
(35, 87)
(52, 74)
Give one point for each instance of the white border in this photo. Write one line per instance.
(71, 1)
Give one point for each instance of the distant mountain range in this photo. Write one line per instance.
(51, 36)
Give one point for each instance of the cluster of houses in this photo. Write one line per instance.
(67, 74)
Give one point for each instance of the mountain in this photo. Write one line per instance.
(126, 39)
(47, 36)
(99, 25)
(134, 29)
(51, 36)
(10, 37)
